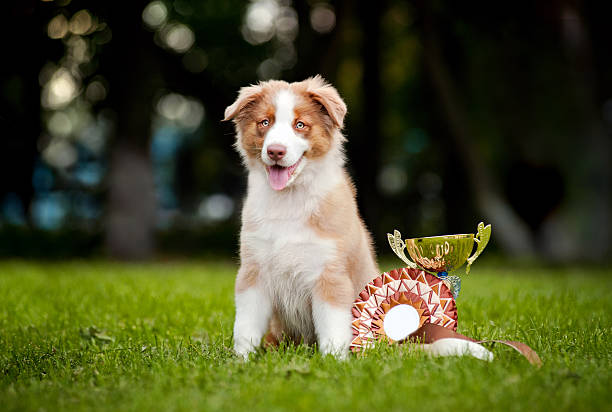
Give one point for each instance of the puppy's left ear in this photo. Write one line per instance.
(327, 96)
(246, 96)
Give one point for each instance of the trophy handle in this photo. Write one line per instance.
(398, 246)
(481, 239)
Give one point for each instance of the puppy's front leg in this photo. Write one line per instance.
(253, 312)
(331, 313)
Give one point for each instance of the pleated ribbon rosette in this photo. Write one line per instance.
(426, 293)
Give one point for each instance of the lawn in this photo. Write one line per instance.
(109, 336)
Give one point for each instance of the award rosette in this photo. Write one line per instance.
(417, 303)
(399, 302)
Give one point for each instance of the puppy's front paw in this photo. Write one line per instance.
(341, 355)
(338, 349)
(253, 310)
(332, 324)
(243, 349)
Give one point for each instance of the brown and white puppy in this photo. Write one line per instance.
(305, 253)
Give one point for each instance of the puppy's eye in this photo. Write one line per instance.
(300, 125)
(264, 123)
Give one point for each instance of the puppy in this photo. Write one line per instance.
(305, 253)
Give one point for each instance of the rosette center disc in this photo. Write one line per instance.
(401, 321)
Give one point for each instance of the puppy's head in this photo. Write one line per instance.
(281, 127)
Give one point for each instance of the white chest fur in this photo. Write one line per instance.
(289, 253)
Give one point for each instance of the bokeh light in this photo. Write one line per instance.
(93, 134)
(322, 18)
(268, 69)
(184, 111)
(60, 90)
(285, 56)
(57, 27)
(265, 20)
(89, 174)
(286, 24)
(259, 21)
(95, 91)
(392, 179)
(155, 14)
(81, 23)
(78, 50)
(216, 208)
(49, 210)
(178, 37)
(60, 153)
(59, 124)
(195, 60)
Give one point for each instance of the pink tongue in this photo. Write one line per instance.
(278, 176)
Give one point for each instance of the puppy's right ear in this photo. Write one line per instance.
(246, 96)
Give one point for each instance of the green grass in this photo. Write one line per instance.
(109, 336)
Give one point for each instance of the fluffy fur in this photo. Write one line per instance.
(304, 251)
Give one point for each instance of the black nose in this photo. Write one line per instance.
(276, 152)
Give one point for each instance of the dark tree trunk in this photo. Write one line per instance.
(511, 231)
(583, 228)
(20, 120)
(133, 73)
(365, 139)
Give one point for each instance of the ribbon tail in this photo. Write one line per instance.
(429, 333)
(522, 348)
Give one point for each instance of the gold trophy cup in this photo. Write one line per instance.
(439, 255)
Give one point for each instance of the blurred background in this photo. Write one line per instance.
(112, 142)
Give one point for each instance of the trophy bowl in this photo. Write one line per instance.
(440, 253)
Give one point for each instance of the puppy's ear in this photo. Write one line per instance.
(246, 96)
(327, 96)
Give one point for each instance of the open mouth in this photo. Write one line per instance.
(280, 177)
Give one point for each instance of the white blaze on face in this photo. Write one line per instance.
(283, 172)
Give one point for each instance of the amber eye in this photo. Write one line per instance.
(265, 123)
(300, 125)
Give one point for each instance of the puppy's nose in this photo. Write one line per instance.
(276, 152)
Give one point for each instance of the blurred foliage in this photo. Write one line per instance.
(456, 113)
